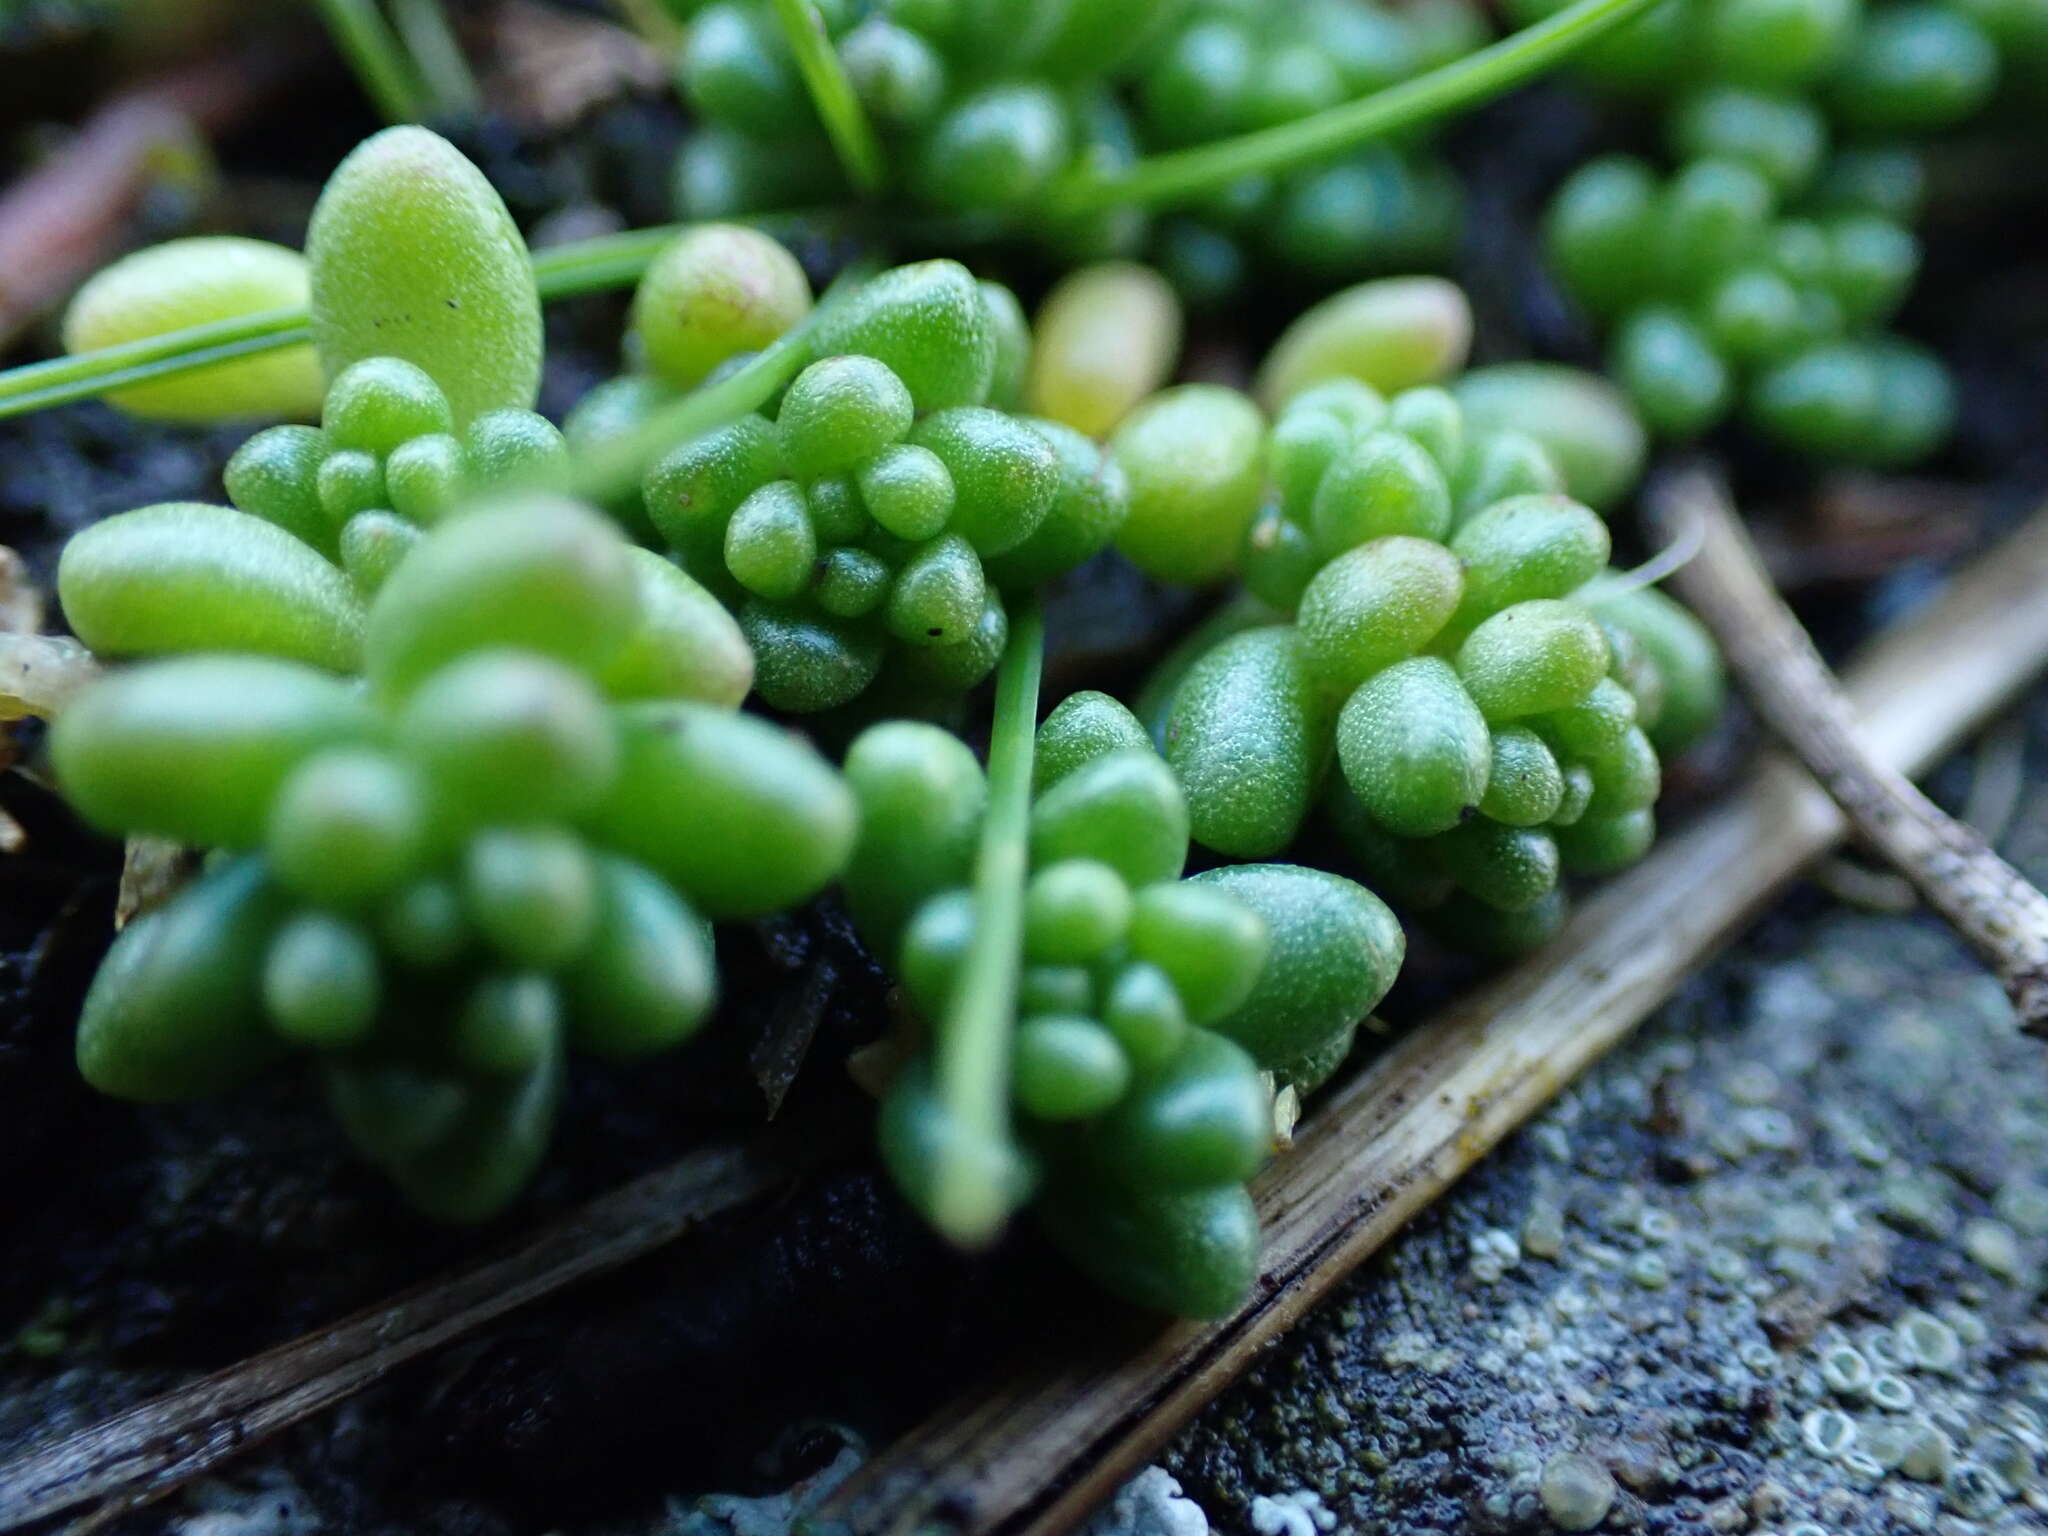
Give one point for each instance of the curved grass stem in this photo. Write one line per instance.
(81, 375)
(971, 1195)
(373, 51)
(1477, 77)
(599, 264)
(853, 138)
(560, 272)
(437, 56)
(616, 467)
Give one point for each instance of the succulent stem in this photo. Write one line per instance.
(971, 1066)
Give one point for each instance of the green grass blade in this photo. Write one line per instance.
(437, 56)
(617, 467)
(853, 137)
(373, 52)
(1478, 77)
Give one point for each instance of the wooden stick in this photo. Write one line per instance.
(1991, 904)
(150, 1449)
(1031, 1454)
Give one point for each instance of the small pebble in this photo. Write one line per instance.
(1857, 1139)
(274, 1506)
(1291, 1514)
(1500, 1243)
(1405, 1348)
(1152, 1502)
(1791, 998)
(1577, 1491)
(1728, 1141)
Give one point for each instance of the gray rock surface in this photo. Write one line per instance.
(1774, 1265)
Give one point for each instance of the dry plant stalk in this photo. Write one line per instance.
(40, 673)
(70, 214)
(149, 1450)
(1991, 904)
(1032, 1452)
(153, 870)
(22, 602)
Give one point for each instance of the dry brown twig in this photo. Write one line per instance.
(2002, 915)
(1031, 1453)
